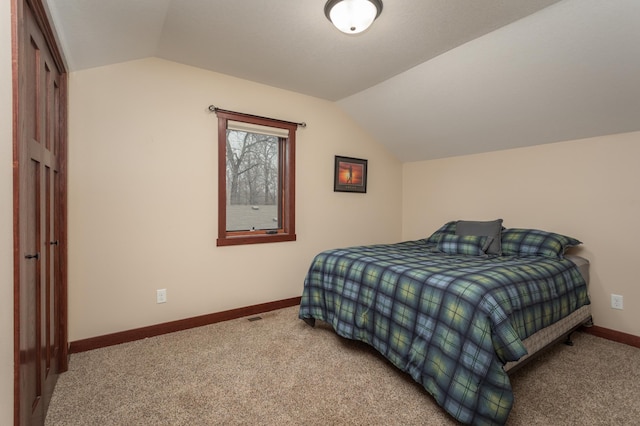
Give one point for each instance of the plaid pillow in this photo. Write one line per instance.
(448, 228)
(534, 242)
(470, 245)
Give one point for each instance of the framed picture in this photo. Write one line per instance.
(350, 175)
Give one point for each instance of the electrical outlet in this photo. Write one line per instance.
(161, 295)
(616, 301)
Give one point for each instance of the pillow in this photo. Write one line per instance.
(448, 228)
(491, 228)
(534, 242)
(470, 245)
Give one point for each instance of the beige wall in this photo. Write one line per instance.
(6, 219)
(587, 189)
(143, 206)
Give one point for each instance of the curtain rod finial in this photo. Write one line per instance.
(212, 108)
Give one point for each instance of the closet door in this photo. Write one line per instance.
(39, 188)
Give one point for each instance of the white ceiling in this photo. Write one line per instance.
(430, 78)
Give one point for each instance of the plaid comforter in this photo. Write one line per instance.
(450, 321)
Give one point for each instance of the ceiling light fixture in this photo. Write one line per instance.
(352, 16)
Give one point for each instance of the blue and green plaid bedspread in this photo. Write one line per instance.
(450, 321)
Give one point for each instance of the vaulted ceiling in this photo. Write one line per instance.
(430, 79)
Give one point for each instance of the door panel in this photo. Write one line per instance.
(39, 191)
(30, 295)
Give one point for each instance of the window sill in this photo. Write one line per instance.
(254, 239)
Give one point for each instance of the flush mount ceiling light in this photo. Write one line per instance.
(352, 16)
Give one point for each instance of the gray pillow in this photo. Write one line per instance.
(492, 228)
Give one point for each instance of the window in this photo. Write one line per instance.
(256, 179)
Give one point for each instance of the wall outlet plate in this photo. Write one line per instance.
(616, 301)
(161, 295)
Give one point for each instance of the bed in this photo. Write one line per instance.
(456, 310)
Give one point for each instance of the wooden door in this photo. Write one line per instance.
(39, 221)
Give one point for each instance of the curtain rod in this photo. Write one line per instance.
(213, 108)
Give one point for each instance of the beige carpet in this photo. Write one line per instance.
(280, 371)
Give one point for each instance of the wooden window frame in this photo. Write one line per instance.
(286, 176)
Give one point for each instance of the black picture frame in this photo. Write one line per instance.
(350, 175)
